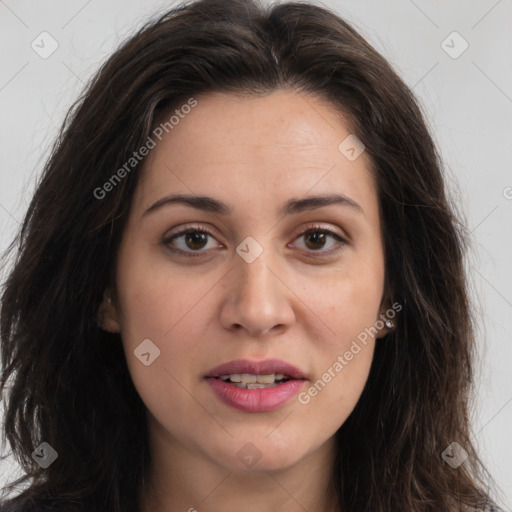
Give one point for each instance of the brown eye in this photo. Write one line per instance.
(190, 241)
(195, 239)
(317, 238)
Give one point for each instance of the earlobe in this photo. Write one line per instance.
(384, 326)
(108, 318)
(386, 322)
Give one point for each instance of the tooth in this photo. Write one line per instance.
(257, 385)
(247, 378)
(265, 379)
(224, 377)
(235, 377)
(279, 376)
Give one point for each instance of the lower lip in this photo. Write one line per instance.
(255, 400)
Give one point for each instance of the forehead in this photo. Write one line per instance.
(261, 147)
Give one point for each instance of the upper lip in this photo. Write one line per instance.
(265, 367)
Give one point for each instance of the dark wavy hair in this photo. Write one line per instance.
(66, 381)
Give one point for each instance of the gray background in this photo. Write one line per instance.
(467, 101)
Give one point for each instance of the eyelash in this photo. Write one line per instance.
(310, 229)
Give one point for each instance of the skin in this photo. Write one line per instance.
(254, 154)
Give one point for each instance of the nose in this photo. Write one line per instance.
(258, 298)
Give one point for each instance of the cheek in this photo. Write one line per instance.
(349, 306)
(153, 299)
(171, 310)
(344, 365)
(349, 303)
(156, 311)
(358, 308)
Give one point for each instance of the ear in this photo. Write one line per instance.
(108, 317)
(387, 317)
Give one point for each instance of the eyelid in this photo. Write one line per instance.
(317, 226)
(190, 227)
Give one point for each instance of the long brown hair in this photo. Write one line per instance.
(70, 384)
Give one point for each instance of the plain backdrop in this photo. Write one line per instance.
(466, 94)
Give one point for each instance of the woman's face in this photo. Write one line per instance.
(256, 287)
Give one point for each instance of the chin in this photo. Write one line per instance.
(264, 465)
(254, 458)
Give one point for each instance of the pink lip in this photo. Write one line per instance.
(256, 400)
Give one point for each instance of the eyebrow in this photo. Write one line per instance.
(293, 206)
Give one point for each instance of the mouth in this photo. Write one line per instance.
(255, 386)
(263, 370)
(251, 381)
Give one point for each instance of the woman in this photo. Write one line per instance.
(240, 284)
